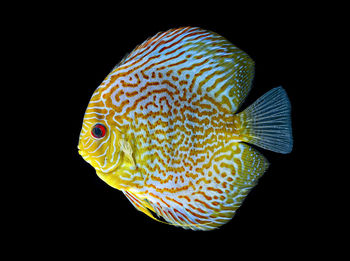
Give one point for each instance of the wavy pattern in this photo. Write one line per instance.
(172, 144)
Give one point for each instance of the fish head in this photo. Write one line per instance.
(98, 140)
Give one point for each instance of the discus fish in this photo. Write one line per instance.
(164, 128)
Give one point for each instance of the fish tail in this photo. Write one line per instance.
(267, 122)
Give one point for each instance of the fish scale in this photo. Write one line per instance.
(173, 142)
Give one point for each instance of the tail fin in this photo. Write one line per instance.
(267, 122)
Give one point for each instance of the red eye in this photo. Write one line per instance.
(98, 131)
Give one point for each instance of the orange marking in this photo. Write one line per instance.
(192, 66)
(146, 46)
(205, 204)
(225, 165)
(216, 103)
(216, 168)
(166, 101)
(207, 78)
(150, 66)
(135, 68)
(171, 190)
(201, 36)
(151, 103)
(196, 215)
(96, 110)
(197, 75)
(131, 94)
(166, 60)
(160, 180)
(172, 215)
(164, 90)
(220, 79)
(215, 189)
(147, 96)
(198, 209)
(226, 101)
(175, 64)
(216, 180)
(160, 210)
(169, 72)
(148, 84)
(177, 202)
(177, 103)
(202, 193)
(116, 97)
(120, 108)
(182, 179)
(155, 196)
(171, 85)
(133, 199)
(172, 39)
(110, 116)
(183, 220)
(173, 51)
(185, 197)
(183, 98)
(198, 56)
(183, 82)
(202, 105)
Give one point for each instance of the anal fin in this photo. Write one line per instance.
(253, 166)
(141, 205)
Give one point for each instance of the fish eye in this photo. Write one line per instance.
(98, 131)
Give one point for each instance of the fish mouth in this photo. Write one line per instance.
(84, 155)
(87, 158)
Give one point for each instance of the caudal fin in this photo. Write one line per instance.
(267, 122)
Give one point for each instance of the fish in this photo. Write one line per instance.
(166, 128)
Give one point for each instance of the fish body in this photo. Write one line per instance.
(163, 128)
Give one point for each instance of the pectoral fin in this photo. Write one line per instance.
(127, 149)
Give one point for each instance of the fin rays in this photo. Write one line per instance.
(267, 122)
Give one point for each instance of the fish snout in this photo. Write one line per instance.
(81, 153)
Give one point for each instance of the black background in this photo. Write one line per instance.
(78, 49)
